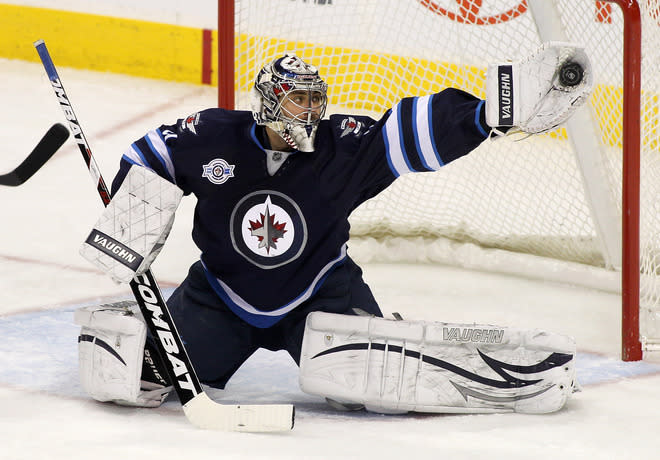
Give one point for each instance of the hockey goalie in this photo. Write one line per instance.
(275, 187)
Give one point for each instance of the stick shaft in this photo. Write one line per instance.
(144, 287)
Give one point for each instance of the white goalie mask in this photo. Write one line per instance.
(290, 98)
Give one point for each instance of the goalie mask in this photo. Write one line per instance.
(290, 98)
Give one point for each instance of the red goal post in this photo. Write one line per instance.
(571, 196)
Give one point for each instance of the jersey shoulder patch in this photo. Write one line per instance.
(205, 126)
(212, 120)
(350, 126)
(190, 123)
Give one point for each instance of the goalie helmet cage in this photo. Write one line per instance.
(581, 201)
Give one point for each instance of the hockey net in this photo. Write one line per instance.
(553, 197)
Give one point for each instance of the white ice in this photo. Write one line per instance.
(45, 415)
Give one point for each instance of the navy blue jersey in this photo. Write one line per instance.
(269, 240)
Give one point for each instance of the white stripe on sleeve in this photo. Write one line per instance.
(132, 155)
(392, 135)
(425, 143)
(161, 150)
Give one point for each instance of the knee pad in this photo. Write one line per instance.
(112, 355)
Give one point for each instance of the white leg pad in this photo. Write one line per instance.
(400, 366)
(111, 348)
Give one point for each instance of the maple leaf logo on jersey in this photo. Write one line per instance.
(267, 230)
(350, 125)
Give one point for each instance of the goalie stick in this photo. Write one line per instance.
(46, 148)
(198, 407)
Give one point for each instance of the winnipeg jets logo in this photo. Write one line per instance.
(218, 171)
(350, 125)
(190, 122)
(268, 229)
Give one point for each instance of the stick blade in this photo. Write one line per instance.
(252, 418)
(45, 149)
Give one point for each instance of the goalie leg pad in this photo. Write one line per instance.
(399, 366)
(111, 349)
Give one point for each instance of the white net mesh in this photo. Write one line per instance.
(525, 196)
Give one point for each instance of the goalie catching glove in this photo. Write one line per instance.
(399, 366)
(133, 228)
(540, 92)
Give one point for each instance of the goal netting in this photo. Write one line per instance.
(556, 197)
